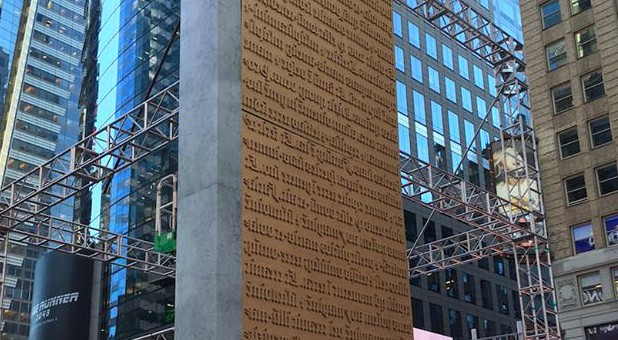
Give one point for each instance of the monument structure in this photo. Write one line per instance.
(290, 221)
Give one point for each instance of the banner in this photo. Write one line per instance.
(508, 175)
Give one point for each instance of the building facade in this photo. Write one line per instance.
(572, 67)
(40, 49)
(443, 94)
(130, 55)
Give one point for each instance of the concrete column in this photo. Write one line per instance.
(208, 285)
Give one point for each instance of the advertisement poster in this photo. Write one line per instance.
(62, 293)
(509, 180)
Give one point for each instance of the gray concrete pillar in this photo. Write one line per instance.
(208, 284)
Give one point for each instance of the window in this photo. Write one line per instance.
(436, 117)
(611, 229)
(593, 85)
(607, 178)
(583, 239)
(568, 142)
(437, 324)
(422, 148)
(469, 288)
(556, 54)
(414, 37)
(451, 91)
(472, 322)
(585, 42)
(451, 283)
(466, 99)
(490, 327)
(562, 97)
(402, 100)
(418, 314)
(486, 297)
(576, 189)
(419, 107)
(417, 69)
(481, 107)
(404, 139)
(600, 132)
(615, 279)
(439, 156)
(495, 117)
(491, 82)
(454, 321)
(499, 265)
(469, 135)
(579, 6)
(453, 126)
(479, 79)
(503, 299)
(591, 288)
(433, 282)
(399, 64)
(447, 56)
(463, 67)
(485, 141)
(431, 47)
(434, 79)
(550, 12)
(397, 24)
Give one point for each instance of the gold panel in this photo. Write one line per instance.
(323, 236)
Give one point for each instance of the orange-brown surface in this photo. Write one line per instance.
(323, 240)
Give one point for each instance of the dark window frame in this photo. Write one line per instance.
(544, 17)
(568, 191)
(585, 88)
(567, 144)
(558, 56)
(579, 46)
(612, 178)
(556, 100)
(593, 134)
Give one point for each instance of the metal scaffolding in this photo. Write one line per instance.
(26, 204)
(510, 223)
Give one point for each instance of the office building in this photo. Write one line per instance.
(40, 44)
(443, 94)
(572, 64)
(129, 56)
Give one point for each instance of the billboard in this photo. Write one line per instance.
(62, 296)
(508, 173)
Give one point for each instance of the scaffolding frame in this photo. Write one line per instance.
(27, 203)
(509, 225)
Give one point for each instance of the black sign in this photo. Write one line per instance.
(608, 331)
(62, 293)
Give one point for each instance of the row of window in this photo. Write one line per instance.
(607, 183)
(431, 48)
(591, 287)
(585, 44)
(600, 133)
(552, 15)
(455, 327)
(592, 88)
(583, 236)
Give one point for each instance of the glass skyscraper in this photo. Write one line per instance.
(40, 49)
(443, 94)
(136, 56)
